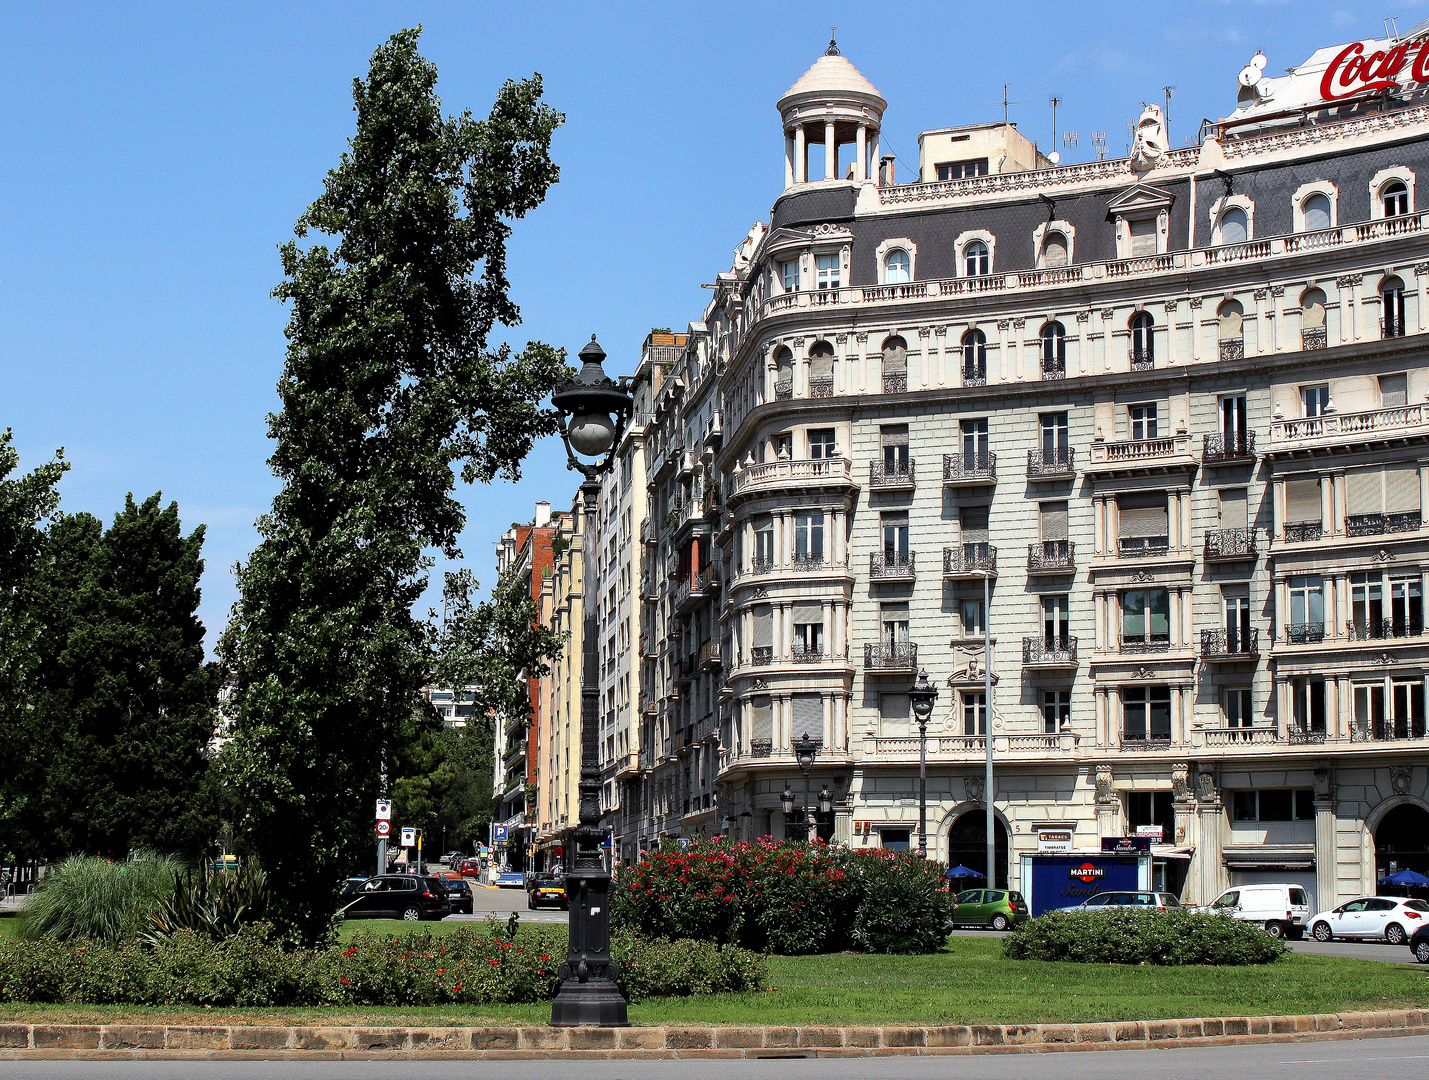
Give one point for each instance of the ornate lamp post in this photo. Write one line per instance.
(805, 751)
(595, 409)
(923, 696)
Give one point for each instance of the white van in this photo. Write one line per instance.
(1283, 909)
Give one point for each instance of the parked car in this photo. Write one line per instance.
(1115, 901)
(451, 858)
(1282, 908)
(459, 895)
(1419, 944)
(997, 908)
(1392, 918)
(548, 889)
(470, 868)
(398, 896)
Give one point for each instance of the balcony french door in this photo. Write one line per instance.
(975, 444)
(1056, 624)
(1237, 624)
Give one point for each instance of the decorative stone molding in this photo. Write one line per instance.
(1002, 324)
(1180, 781)
(1083, 316)
(1347, 280)
(925, 331)
(1376, 189)
(1106, 794)
(973, 785)
(1143, 673)
(1206, 786)
(1108, 313)
(1399, 778)
(1195, 303)
(1303, 192)
(1384, 556)
(842, 339)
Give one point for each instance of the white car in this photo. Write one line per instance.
(1392, 918)
(1283, 909)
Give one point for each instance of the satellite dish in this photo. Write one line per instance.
(1054, 157)
(1249, 75)
(1264, 89)
(1258, 61)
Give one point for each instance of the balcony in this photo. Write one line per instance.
(885, 477)
(649, 532)
(784, 390)
(758, 565)
(802, 655)
(895, 383)
(1058, 464)
(1141, 358)
(890, 565)
(698, 587)
(808, 474)
(1053, 369)
(1312, 338)
(975, 374)
(711, 503)
(1037, 747)
(1051, 557)
(1382, 524)
(808, 561)
(1383, 629)
(760, 655)
(1304, 633)
(1303, 532)
(689, 665)
(1345, 431)
(1143, 457)
(1391, 328)
(1142, 547)
(1228, 448)
(1138, 742)
(648, 649)
(969, 470)
(1241, 736)
(1230, 545)
(1226, 644)
(821, 386)
(891, 657)
(1388, 729)
(970, 561)
(1049, 652)
(1154, 643)
(710, 655)
(1232, 349)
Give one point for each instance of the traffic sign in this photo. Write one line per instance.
(409, 836)
(384, 829)
(498, 834)
(384, 809)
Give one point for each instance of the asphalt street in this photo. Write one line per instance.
(1368, 1059)
(502, 902)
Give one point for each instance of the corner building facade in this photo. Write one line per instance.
(1170, 411)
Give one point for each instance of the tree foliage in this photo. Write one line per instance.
(388, 386)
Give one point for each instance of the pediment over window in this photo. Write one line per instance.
(784, 237)
(1140, 200)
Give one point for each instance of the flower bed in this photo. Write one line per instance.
(788, 898)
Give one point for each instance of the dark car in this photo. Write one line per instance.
(459, 894)
(548, 889)
(1419, 944)
(398, 896)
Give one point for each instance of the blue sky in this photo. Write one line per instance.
(156, 155)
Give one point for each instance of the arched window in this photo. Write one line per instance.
(1235, 226)
(783, 375)
(1142, 353)
(895, 267)
(1054, 351)
(895, 365)
(1394, 196)
(1231, 316)
(1312, 319)
(974, 358)
(1391, 301)
(1054, 250)
(976, 259)
(1316, 211)
(821, 370)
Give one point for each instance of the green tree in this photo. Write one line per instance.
(27, 502)
(124, 687)
(388, 386)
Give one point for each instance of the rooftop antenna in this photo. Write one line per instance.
(1004, 102)
(1166, 113)
(1055, 102)
(1099, 144)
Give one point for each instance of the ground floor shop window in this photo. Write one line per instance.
(895, 839)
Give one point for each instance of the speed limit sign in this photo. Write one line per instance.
(384, 829)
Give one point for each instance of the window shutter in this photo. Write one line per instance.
(1054, 251)
(1364, 491)
(895, 612)
(1401, 488)
(761, 725)
(974, 524)
(1233, 508)
(1143, 236)
(895, 361)
(1142, 513)
(821, 366)
(1302, 499)
(894, 715)
(808, 611)
(1393, 391)
(894, 435)
(808, 717)
(763, 626)
(1054, 520)
(764, 522)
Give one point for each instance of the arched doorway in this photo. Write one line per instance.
(1402, 838)
(967, 845)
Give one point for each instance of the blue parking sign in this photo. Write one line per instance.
(498, 834)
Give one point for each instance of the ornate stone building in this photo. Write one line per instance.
(1171, 406)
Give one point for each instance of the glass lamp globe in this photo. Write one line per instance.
(591, 434)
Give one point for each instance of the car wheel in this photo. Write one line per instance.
(1421, 951)
(999, 922)
(1321, 932)
(1394, 934)
(412, 914)
(1275, 929)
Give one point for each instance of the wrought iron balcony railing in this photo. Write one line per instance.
(783, 391)
(807, 656)
(1379, 524)
(895, 384)
(1232, 348)
(1133, 740)
(882, 476)
(1142, 547)
(759, 565)
(761, 654)
(1388, 729)
(965, 467)
(1231, 544)
(1049, 650)
(891, 656)
(975, 374)
(970, 559)
(808, 560)
(761, 747)
(821, 387)
(1300, 532)
(1051, 556)
(1226, 642)
(1313, 337)
(1392, 328)
(891, 565)
(1229, 446)
(1057, 462)
(1142, 359)
(1383, 629)
(1145, 644)
(1054, 369)
(1305, 633)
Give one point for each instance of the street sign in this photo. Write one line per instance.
(498, 834)
(409, 837)
(384, 829)
(384, 809)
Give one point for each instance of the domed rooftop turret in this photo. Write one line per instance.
(832, 103)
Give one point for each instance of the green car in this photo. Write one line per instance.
(996, 908)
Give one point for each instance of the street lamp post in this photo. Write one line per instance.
(594, 410)
(923, 696)
(991, 879)
(805, 751)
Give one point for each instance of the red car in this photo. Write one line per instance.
(471, 868)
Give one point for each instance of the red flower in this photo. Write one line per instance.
(344, 980)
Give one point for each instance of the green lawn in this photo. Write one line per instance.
(969, 982)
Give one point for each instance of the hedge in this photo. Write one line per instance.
(1162, 938)
(786, 897)
(471, 966)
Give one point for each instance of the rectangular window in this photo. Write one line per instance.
(1056, 711)
(1236, 704)
(894, 524)
(1056, 622)
(1314, 400)
(821, 443)
(1308, 704)
(975, 445)
(1151, 808)
(972, 522)
(1142, 422)
(1302, 503)
(808, 628)
(1144, 522)
(1393, 391)
(789, 274)
(1273, 804)
(1307, 609)
(970, 614)
(1052, 526)
(1143, 237)
(1054, 432)
(1233, 508)
(808, 537)
(894, 440)
(961, 170)
(1233, 425)
(1146, 714)
(894, 716)
(894, 839)
(1145, 618)
(828, 271)
(895, 623)
(783, 446)
(974, 713)
(1237, 624)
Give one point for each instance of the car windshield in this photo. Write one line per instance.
(1167, 900)
(968, 897)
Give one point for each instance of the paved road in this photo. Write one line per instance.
(1369, 1059)
(502, 902)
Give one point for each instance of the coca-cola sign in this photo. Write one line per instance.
(1353, 72)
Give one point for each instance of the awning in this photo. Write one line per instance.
(1270, 857)
(1165, 851)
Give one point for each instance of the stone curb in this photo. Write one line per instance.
(145, 1042)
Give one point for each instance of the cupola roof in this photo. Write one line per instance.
(832, 75)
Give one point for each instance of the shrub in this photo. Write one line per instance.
(1163, 938)
(473, 966)
(213, 906)
(92, 899)
(787, 898)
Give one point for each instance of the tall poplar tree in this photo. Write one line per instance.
(388, 387)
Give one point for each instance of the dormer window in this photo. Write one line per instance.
(1143, 236)
(1317, 211)
(1234, 226)
(1054, 250)
(1395, 198)
(827, 268)
(896, 268)
(977, 260)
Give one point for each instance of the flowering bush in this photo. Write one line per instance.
(786, 897)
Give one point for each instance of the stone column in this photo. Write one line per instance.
(1195, 303)
(1277, 525)
(1262, 325)
(801, 156)
(1282, 713)
(1172, 345)
(1208, 848)
(788, 159)
(1326, 853)
(1327, 503)
(828, 627)
(831, 152)
(861, 169)
(1099, 633)
(1332, 706)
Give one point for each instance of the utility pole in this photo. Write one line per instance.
(1004, 102)
(1055, 102)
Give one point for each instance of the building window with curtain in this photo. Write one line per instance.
(1143, 235)
(821, 370)
(1307, 610)
(1146, 714)
(895, 559)
(897, 466)
(1145, 620)
(809, 541)
(808, 634)
(1316, 211)
(1382, 499)
(974, 344)
(1234, 226)
(761, 650)
(895, 365)
(1055, 549)
(894, 716)
(1237, 708)
(1144, 523)
(1143, 354)
(1054, 351)
(1303, 513)
(1391, 303)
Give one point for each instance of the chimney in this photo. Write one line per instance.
(543, 514)
(885, 170)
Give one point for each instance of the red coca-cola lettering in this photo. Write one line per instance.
(1354, 73)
